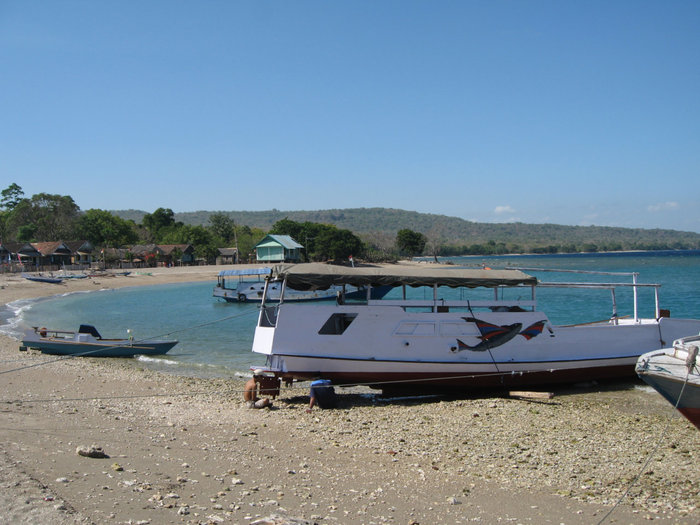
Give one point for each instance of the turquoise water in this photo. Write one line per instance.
(216, 337)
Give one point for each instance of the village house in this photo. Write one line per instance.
(45, 255)
(278, 248)
(163, 254)
(227, 256)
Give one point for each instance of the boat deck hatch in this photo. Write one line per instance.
(337, 324)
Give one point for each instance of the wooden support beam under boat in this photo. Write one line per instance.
(531, 395)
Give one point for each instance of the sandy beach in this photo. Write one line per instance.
(187, 450)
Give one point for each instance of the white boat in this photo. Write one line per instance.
(674, 373)
(462, 342)
(248, 285)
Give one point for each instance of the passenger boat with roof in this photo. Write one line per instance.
(674, 373)
(248, 285)
(441, 342)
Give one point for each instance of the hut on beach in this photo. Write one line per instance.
(278, 248)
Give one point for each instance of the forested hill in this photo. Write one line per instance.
(384, 223)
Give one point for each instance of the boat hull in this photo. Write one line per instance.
(101, 350)
(88, 345)
(51, 280)
(669, 374)
(387, 347)
(399, 376)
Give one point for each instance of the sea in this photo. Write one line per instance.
(215, 337)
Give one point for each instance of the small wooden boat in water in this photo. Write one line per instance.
(88, 342)
(675, 374)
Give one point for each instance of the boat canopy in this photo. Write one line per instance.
(249, 271)
(318, 276)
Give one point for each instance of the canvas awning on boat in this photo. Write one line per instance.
(247, 271)
(317, 276)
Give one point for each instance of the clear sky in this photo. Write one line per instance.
(571, 112)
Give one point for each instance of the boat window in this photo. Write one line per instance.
(457, 329)
(411, 328)
(337, 324)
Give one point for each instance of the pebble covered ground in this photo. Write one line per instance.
(186, 450)
(190, 449)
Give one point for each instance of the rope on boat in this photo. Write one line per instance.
(662, 436)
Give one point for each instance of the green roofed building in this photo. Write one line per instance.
(278, 248)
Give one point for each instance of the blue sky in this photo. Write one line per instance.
(535, 111)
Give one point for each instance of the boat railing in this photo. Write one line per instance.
(609, 286)
(612, 287)
(439, 304)
(55, 334)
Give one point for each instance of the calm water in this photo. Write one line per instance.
(216, 337)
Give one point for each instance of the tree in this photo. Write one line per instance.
(223, 226)
(295, 230)
(11, 197)
(321, 241)
(48, 217)
(102, 228)
(410, 242)
(157, 221)
(247, 239)
(336, 244)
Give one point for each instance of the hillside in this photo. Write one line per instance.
(452, 231)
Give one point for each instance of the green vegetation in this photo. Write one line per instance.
(373, 234)
(321, 242)
(410, 243)
(378, 228)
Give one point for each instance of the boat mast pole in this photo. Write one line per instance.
(264, 295)
(656, 302)
(284, 289)
(634, 293)
(614, 301)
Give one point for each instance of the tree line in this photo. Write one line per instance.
(46, 217)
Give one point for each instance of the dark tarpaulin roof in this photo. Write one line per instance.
(317, 276)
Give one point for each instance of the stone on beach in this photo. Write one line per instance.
(91, 452)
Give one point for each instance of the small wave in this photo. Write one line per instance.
(11, 316)
(645, 388)
(76, 292)
(189, 368)
(158, 360)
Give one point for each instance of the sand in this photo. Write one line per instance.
(186, 450)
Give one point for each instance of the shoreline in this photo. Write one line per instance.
(186, 450)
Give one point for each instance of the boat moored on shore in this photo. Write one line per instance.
(88, 342)
(674, 373)
(445, 342)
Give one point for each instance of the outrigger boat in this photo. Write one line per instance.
(88, 342)
(674, 373)
(449, 343)
(42, 278)
(248, 285)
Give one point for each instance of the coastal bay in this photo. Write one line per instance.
(186, 450)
